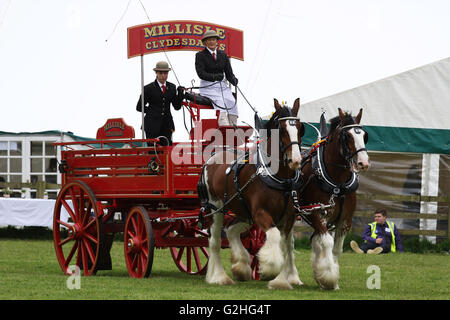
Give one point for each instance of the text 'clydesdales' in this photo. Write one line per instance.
(182, 35)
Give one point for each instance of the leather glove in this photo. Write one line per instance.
(218, 77)
(181, 89)
(234, 82)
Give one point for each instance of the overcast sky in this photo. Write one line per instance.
(58, 72)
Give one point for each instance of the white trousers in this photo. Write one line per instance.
(221, 95)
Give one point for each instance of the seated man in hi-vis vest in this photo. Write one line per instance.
(381, 236)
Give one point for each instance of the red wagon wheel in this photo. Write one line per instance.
(192, 260)
(138, 243)
(79, 240)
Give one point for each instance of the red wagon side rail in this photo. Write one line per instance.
(123, 168)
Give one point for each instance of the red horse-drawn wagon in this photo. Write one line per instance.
(117, 183)
(120, 184)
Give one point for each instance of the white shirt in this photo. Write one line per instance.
(210, 51)
(161, 84)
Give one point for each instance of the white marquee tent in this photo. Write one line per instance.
(407, 113)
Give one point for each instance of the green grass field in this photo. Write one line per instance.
(29, 270)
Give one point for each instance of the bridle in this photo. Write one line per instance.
(344, 137)
(291, 121)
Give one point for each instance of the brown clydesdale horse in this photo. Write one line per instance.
(331, 170)
(254, 202)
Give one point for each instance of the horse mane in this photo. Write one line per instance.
(336, 121)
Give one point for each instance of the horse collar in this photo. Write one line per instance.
(274, 182)
(325, 182)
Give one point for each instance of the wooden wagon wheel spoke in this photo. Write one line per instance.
(89, 249)
(68, 225)
(70, 255)
(188, 261)
(130, 234)
(134, 225)
(66, 240)
(85, 232)
(90, 223)
(74, 202)
(184, 257)
(197, 259)
(144, 253)
(84, 258)
(205, 252)
(179, 255)
(91, 238)
(68, 209)
(139, 266)
(138, 243)
(86, 216)
(135, 261)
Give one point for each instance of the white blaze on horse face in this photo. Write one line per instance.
(295, 148)
(362, 161)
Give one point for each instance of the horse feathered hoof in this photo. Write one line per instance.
(226, 282)
(241, 272)
(328, 285)
(280, 284)
(295, 281)
(270, 257)
(223, 281)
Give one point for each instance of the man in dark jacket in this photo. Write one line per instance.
(211, 64)
(158, 121)
(381, 236)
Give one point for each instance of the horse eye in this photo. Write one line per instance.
(302, 130)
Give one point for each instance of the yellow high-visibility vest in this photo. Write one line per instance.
(373, 227)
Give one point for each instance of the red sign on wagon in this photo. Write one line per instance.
(115, 129)
(182, 35)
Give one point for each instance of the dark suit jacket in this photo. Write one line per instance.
(158, 118)
(208, 69)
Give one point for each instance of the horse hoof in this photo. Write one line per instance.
(241, 273)
(270, 269)
(295, 282)
(328, 286)
(227, 282)
(224, 281)
(279, 284)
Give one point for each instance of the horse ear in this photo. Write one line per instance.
(296, 106)
(341, 114)
(277, 104)
(358, 117)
